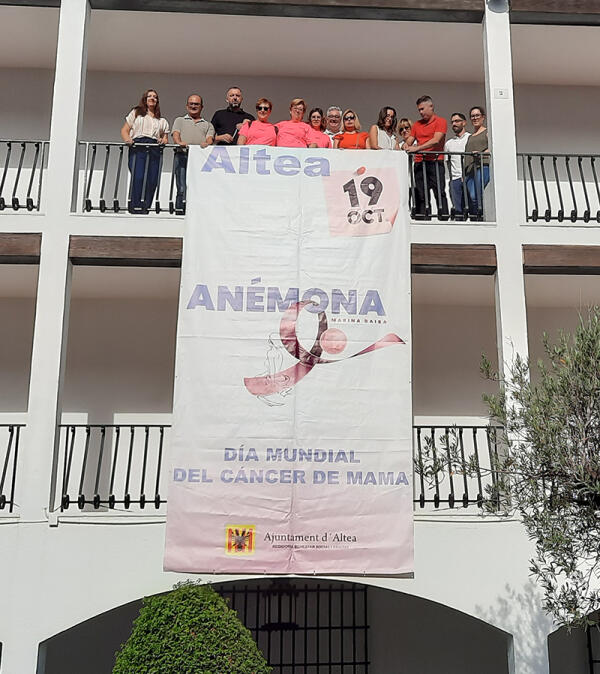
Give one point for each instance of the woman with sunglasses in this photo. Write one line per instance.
(317, 128)
(259, 131)
(477, 169)
(382, 135)
(144, 125)
(293, 132)
(404, 127)
(351, 138)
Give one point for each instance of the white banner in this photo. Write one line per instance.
(292, 430)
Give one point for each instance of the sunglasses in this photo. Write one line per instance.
(405, 128)
(348, 117)
(265, 108)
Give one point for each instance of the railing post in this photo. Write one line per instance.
(67, 106)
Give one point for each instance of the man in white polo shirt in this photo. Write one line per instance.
(191, 129)
(457, 144)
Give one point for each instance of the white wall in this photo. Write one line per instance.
(121, 352)
(453, 323)
(110, 96)
(120, 357)
(549, 118)
(555, 303)
(26, 103)
(16, 334)
(556, 118)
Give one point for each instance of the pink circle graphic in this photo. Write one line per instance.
(333, 341)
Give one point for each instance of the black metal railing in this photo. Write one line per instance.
(310, 627)
(138, 179)
(9, 454)
(22, 167)
(456, 486)
(123, 467)
(560, 187)
(111, 466)
(456, 184)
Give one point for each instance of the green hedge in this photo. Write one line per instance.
(190, 630)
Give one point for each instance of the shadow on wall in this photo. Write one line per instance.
(429, 638)
(89, 647)
(521, 613)
(569, 651)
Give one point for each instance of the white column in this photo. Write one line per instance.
(19, 654)
(510, 295)
(53, 295)
(67, 104)
(501, 113)
(528, 653)
(49, 347)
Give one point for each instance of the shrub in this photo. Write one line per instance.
(190, 630)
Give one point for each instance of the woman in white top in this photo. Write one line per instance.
(381, 134)
(144, 125)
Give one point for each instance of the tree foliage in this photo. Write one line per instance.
(548, 471)
(190, 630)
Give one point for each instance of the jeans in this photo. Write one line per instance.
(457, 194)
(429, 175)
(181, 158)
(144, 164)
(475, 189)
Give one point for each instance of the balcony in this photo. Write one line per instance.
(124, 468)
(560, 188)
(23, 164)
(10, 435)
(105, 184)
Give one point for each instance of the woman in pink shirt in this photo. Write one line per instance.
(259, 131)
(294, 132)
(317, 126)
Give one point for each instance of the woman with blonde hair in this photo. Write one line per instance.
(144, 125)
(351, 138)
(259, 131)
(404, 127)
(293, 132)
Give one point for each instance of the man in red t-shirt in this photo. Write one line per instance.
(428, 135)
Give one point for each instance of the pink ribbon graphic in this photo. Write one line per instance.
(275, 383)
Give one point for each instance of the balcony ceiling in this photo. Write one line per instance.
(231, 45)
(553, 290)
(18, 281)
(279, 47)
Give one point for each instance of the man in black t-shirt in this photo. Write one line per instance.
(228, 122)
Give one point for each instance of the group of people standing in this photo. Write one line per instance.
(468, 155)
(144, 128)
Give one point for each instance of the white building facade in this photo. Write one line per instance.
(89, 296)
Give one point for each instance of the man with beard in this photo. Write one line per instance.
(228, 122)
